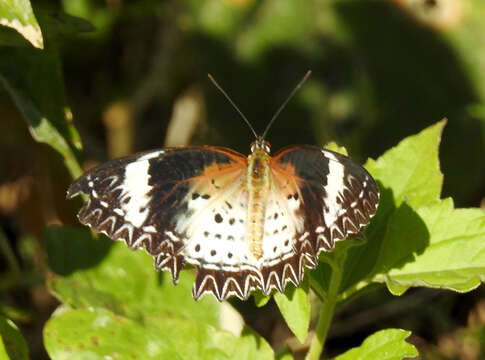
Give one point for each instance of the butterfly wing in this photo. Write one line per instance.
(318, 197)
(154, 199)
(215, 229)
(190, 205)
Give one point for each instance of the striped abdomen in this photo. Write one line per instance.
(258, 186)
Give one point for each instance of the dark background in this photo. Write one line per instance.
(382, 70)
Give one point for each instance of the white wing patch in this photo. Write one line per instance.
(333, 189)
(280, 227)
(135, 188)
(215, 237)
(215, 228)
(215, 224)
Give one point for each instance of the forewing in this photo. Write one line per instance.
(331, 197)
(149, 200)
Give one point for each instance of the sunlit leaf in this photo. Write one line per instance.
(91, 273)
(12, 344)
(454, 253)
(333, 146)
(259, 299)
(18, 15)
(409, 176)
(386, 344)
(411, 170)
(294, 305)
(98, 333)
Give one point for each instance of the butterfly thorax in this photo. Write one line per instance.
(258, 186)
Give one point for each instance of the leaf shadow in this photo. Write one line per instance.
(394, 237)
(11, 37)
(71, 249)
(406, 236)
(247, 332)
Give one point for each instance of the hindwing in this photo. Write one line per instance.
(336, 196)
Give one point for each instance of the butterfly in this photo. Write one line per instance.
(245, 222)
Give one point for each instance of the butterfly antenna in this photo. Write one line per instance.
(308, 73)
(232, 103)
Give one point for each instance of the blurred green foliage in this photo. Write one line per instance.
(382, 70)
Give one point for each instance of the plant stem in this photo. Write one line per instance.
(318, 289)
(326, 315)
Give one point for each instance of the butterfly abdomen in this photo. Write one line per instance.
(258, 187)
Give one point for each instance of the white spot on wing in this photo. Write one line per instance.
(304, 236)
(333, 189)
(150, 228)
(319, 229)
(170, 234)
(135, 187)
(119, 212)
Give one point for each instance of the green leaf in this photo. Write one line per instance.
(71, 249)
(252, 346)
(286, 355)
(294, 305)
(12, 344)
(333, 146)
(18, 15)
(259, 299)
(453, 257)
(417, 239)
(96, 274)
(408, 176)
(334, 260)
(411, 169)
(39, 95)
(100, 334)
(406, 236)
(386, 344)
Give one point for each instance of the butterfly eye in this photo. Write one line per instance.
(266, 146)
(253, 146)
(261, 144)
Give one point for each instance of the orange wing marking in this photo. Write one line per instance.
(212, 171)
(282, 172)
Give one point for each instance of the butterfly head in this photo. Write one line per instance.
(260, 144)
